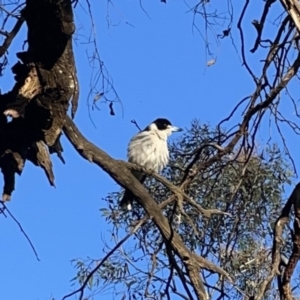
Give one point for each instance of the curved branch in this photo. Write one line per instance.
(260, 25)
(124, 177)
(278, 240)
(2, 210)
(295, 255)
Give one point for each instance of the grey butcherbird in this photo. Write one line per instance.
(149, 149)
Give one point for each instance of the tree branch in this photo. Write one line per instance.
(278, 240)
(124, 177)
(11, 35)
(91, 274)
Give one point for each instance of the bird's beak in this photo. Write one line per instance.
(175, 129)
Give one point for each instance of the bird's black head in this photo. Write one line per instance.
(162, 123)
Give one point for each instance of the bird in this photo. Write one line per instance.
(149, 149)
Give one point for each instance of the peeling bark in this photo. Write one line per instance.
(46, 81)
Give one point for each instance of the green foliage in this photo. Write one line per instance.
(248, 187)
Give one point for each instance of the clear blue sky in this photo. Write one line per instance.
(158, 69)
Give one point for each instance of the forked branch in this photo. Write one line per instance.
(122, 175)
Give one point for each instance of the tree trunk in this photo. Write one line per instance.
(46, 80)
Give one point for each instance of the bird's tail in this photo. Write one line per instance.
(127, 199)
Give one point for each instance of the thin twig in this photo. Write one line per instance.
(136, 124)
(85, 283)
(22, 230)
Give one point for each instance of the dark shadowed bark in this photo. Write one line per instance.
(45, 82)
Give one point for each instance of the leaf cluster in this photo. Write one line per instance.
(246, 188)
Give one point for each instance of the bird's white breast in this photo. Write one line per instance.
(149, 150)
